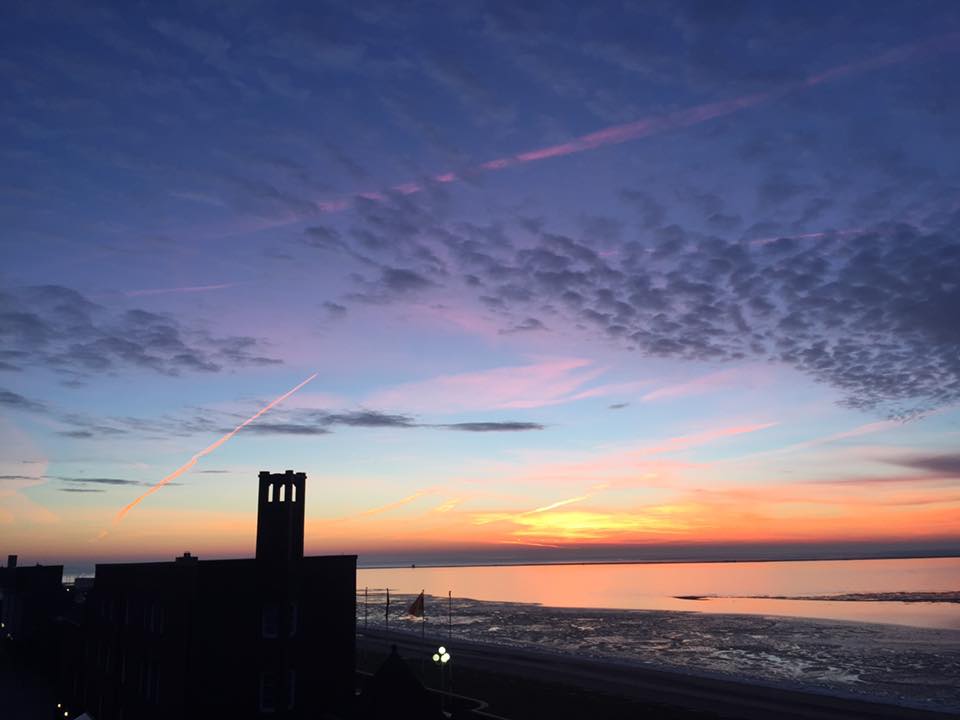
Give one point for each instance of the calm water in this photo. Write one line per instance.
(726, 587)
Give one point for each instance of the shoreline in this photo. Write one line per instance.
(694, 561)
(613, 611)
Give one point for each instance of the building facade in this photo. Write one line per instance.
(31, 599)
(271, 637)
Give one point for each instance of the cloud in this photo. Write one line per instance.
(16, 401)
(492, 426)
(618, 406)
(314, 422)
(76, 434)
(96, 480)
(698, 386)
(514, 387)
(81, 490)
(402, 280)
(61, 329)
(876, 480)
(279, 428)
(527, 325)
(864, 311)
(942, 465)
(334, 310)
(367, 418)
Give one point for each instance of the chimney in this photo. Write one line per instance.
(11, 561)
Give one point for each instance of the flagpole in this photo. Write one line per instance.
(423, 625)
(449, 616)
(387, 613)
(365, 602)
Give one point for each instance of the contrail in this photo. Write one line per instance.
(206, 451)
(657, 124)
(559, 503)
(191, 289)
(615, 134)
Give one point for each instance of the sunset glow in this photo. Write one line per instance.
(593, 285)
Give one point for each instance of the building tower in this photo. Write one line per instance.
(280, 512)
(280, 518)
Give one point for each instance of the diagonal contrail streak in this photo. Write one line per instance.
(661, 123)
(613, 135)
(173, 290)
(206, 451)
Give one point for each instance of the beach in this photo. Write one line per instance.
(524, 683)
(895, 665)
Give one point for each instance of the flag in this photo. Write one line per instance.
(416, 607)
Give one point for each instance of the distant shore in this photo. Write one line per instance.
(951, 596)
(75, 571)
(685, 561)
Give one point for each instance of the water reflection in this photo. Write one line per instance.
(659, 587)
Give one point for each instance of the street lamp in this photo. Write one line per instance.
(440, 658)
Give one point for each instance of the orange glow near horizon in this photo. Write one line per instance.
(206, 451)
(642, 495)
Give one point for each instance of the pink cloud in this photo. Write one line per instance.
(686, 442)
(640, 466)
(549, 382)
(698, 386)
(525, 386)
(461, 318)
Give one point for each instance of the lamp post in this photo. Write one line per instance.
(440, 658)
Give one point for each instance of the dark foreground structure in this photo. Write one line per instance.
(31, 599)
(269, 637)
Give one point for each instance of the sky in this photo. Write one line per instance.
(550, 280)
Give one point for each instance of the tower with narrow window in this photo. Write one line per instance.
(279, 562)
(280, 518)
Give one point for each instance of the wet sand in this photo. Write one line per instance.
(522, 684)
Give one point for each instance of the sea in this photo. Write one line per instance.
(888, 630)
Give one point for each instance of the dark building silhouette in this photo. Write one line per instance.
(269, 637)
(31, 599)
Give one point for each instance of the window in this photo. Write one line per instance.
(283, 493)
(291, 689)
(268, 692)
(292, 618)
(293, 493)
(153, 616)
(270, 622)
(270, 492)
